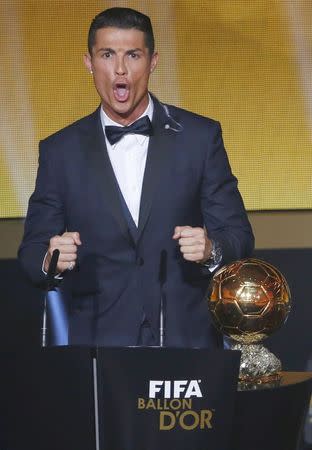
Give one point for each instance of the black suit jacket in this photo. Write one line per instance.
(187, 181)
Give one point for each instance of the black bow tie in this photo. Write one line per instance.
(140, 126)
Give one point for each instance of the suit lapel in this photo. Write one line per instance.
(158, 154)
(159, 150)
(102, 170)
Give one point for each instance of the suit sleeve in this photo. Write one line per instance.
(222, 206)
(45, 215)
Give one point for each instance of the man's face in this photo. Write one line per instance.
(121, 66)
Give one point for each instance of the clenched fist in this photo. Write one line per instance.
(67, 244)
(194, 243)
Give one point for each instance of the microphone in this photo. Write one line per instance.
(52, 269)
(50, 283)
(162, 309)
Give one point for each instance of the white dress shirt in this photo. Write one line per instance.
(128, 159)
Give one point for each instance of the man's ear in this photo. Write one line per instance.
(154, 61)
(87, 62)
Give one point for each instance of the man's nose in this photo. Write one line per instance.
(121, 68)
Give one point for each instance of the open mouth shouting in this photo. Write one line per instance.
(121, 92)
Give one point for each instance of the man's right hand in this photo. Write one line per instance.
(67, 244)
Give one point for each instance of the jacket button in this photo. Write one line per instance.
(140, 261)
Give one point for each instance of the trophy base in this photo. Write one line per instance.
(258, 367)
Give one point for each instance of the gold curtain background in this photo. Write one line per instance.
(245, 63)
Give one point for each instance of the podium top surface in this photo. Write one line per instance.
(294, 377)
(286, 380)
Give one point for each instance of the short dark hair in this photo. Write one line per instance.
(125, 18)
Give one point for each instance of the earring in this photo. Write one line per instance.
(91, 72)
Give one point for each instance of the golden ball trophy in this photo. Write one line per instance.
(249, 300)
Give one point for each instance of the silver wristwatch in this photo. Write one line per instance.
(215, 257)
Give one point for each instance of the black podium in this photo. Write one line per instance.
(80, 398)
(272, 418)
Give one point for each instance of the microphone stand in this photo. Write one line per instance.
(162, 305)
(50, 284)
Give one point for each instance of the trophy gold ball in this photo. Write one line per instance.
(249, 300)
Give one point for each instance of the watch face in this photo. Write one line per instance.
(216, 253)
(215, 257)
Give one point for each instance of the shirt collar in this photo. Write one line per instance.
(105, 120)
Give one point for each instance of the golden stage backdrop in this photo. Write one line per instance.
(245, 63)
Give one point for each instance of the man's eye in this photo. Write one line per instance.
(134, 55)
(107, 55)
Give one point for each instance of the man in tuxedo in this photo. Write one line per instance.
(139, 199)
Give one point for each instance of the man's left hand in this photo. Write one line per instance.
(194, 243)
